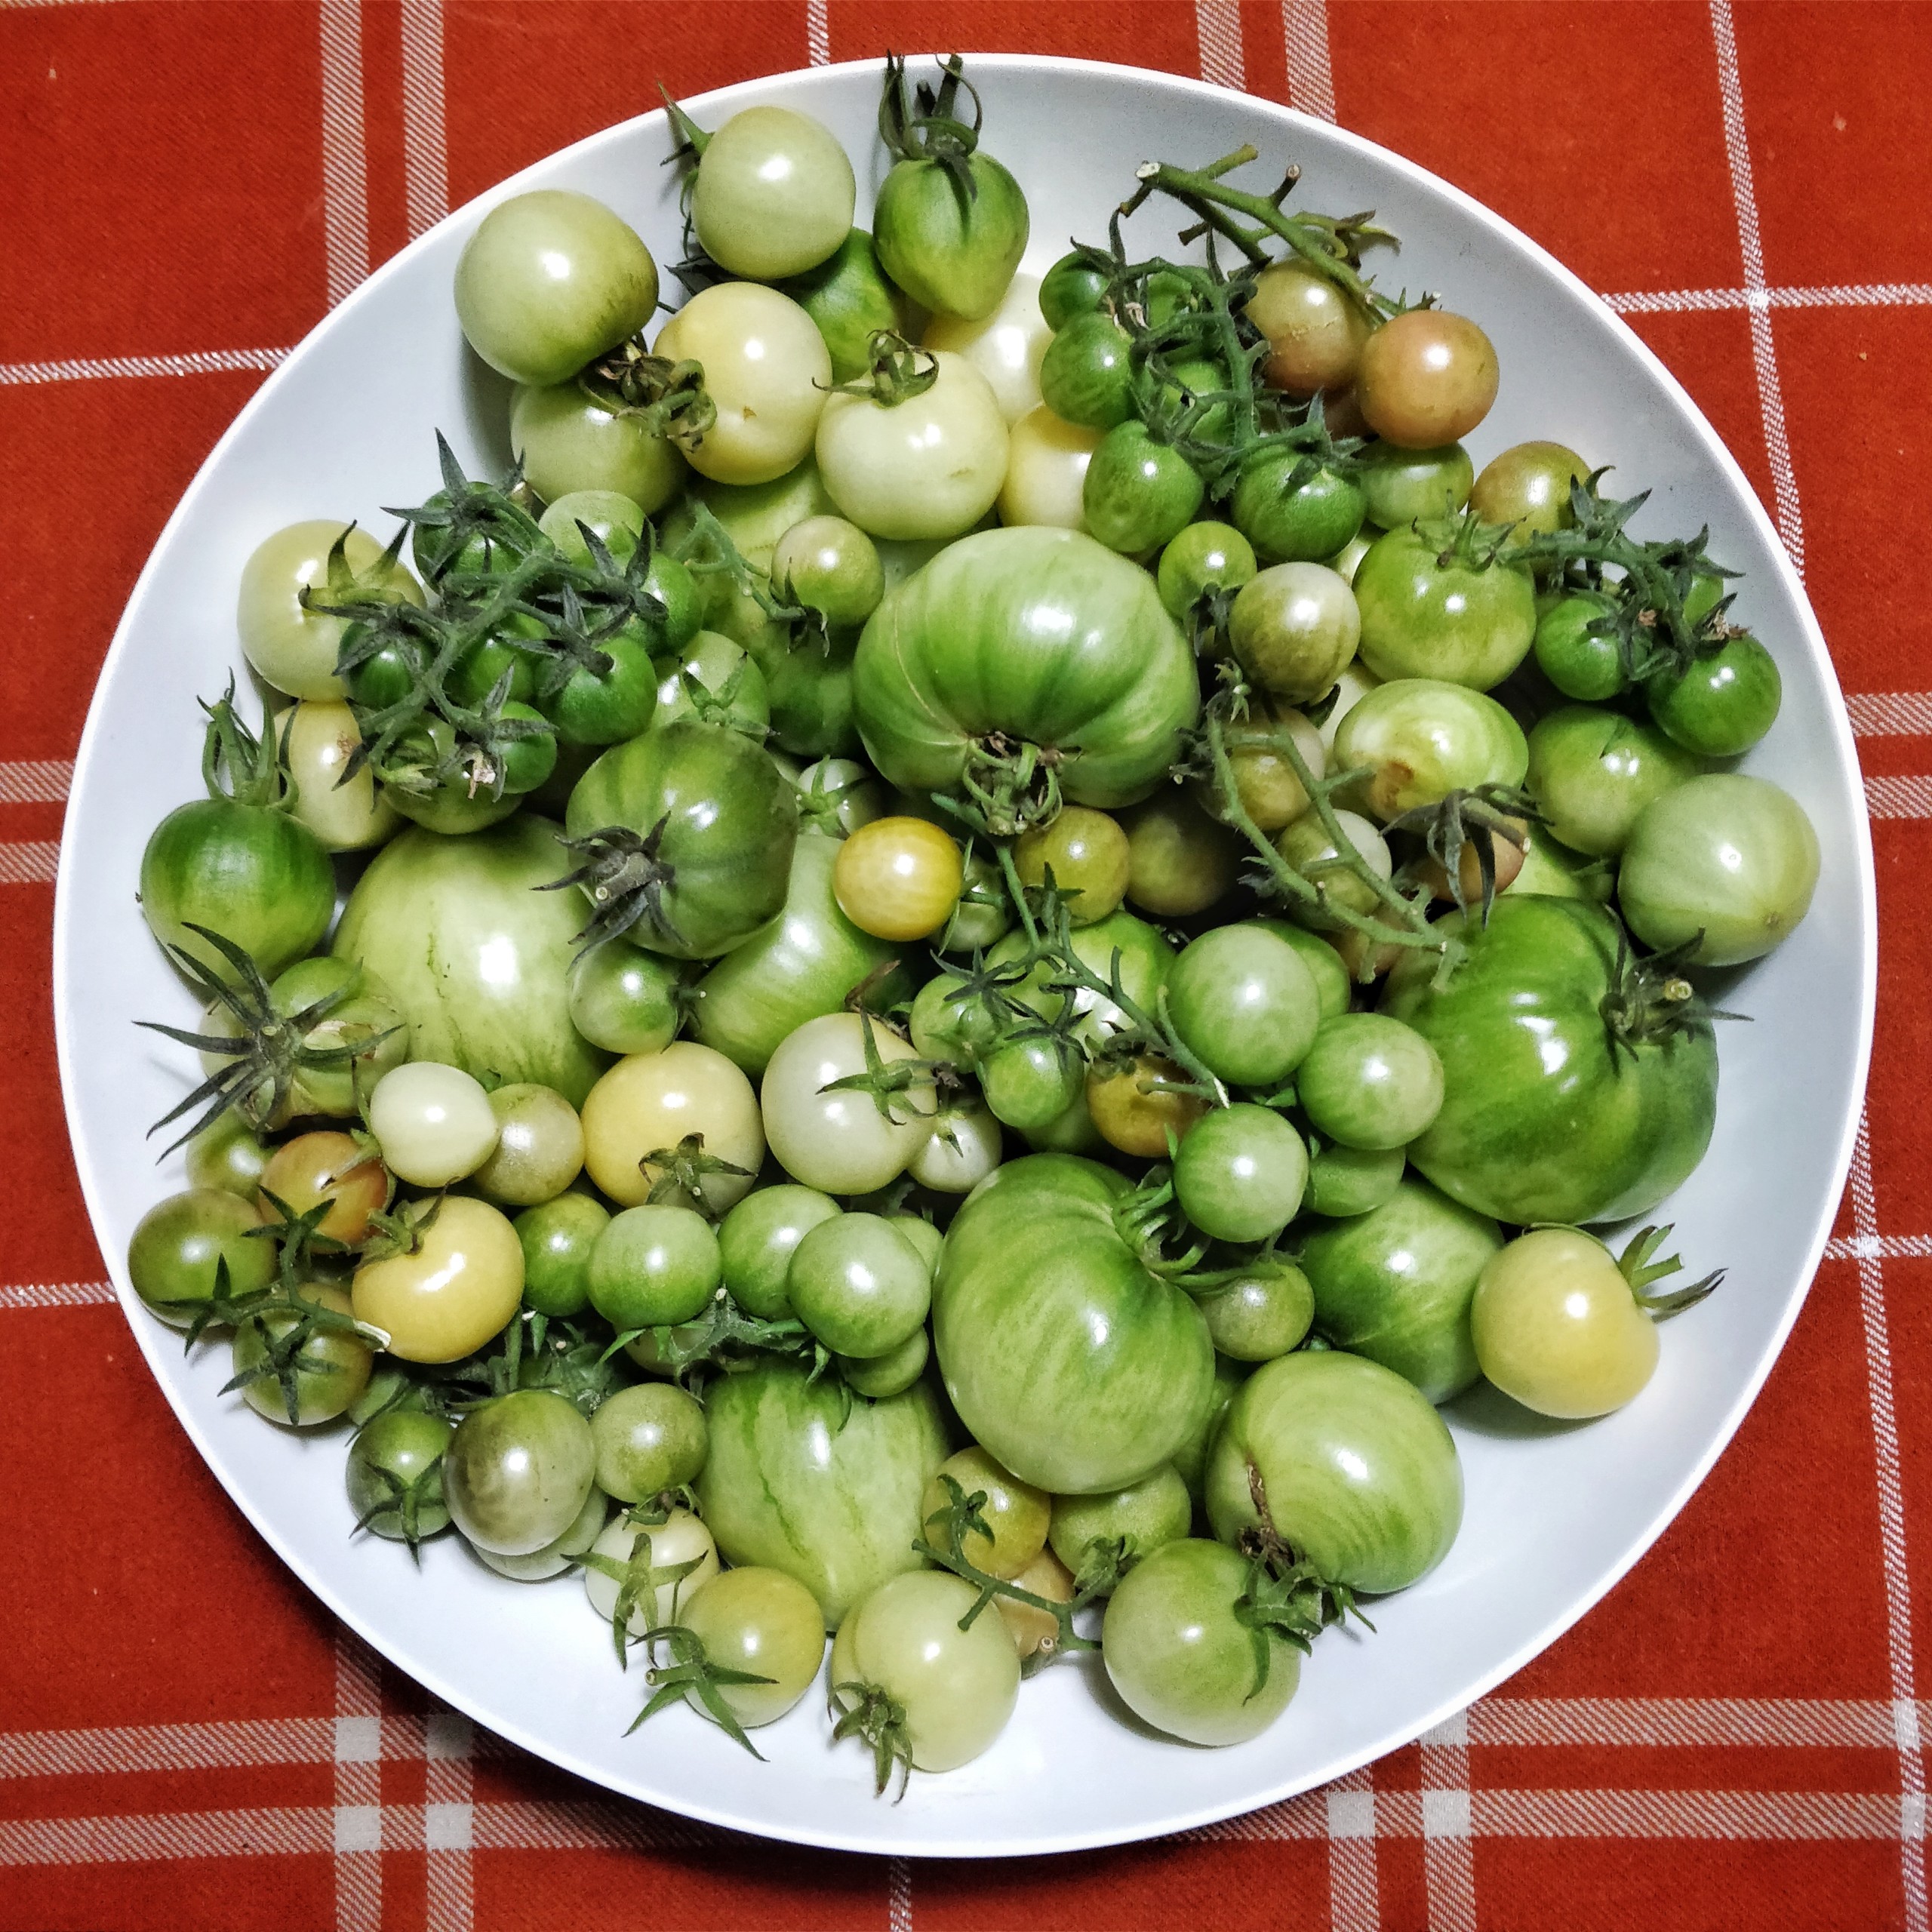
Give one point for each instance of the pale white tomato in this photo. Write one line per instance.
(294, 649)
(319, 739)
(647, 1103)
(843, 1142)
(1005, 347)
(680, 1538)
(434, 1123)
(1046, 471)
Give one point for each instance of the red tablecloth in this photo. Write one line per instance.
(1733, 1739)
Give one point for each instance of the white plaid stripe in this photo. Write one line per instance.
(357, 1837)
(35, 781)
(28, 861)
(345, 170)
(1305, 50)
(425, 161)
(1217, 31)
(818, 33)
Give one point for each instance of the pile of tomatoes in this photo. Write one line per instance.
(976, 906)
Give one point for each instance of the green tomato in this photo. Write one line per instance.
(729, 689)
(1549, 1114)
(1370, 1081)
(951, 253)
(1030, 1081)
(1072, 287)
(757, 1238)
(1583, 661)
(1353, 1467)
(1399, 487)
(1139, 494)
(1724, 704)
(548, 281)
(1244, 1001)
(556, 1237)
(723, 821)
(860, 1285)
(984, 912)
(1080, 1377)
(1182, 1660)
(561, 1553)
(826, 565)
(850, 300)
(1550, 868)
(1393, 1285)
(654, 1267)
(599, 708)
(1203, 558)
(1333, 986)
(1293, 628)
(649, 1437)
(1041, 636)
(1308, 846)
(568, 442)
(395, 1475)
(772, 194)
(180, 1246)
(1086, 376)
(1015, 1513)
(1290, 517)
(892, 1373)
(476, 958)
(1264, 1312)
(1343, 1181)
(1422, 617)
(1190, 1459)
(1180, 861)
(328, 1374)
(519, 1471)
(615, 520)
(838, 1138)
(1421, 739)
(1239, 1173)
(965, 1147)
(1592, 772)
(1087, 852)
(624, 999)
(794, 1480)
(1728, 861)
(1142, 1518)
(228, 1155)
(294, 649)
(1144, 958)
(810, 689)
(1528, 488)
(765, 1623)
(801, 966)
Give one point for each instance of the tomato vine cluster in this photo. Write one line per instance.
(977, 906)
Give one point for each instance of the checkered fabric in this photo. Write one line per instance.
(1733, 1739)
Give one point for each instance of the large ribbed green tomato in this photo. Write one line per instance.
(1555, 1108)
(718, 819)
(476, 958)
(1070, 1361)
(1033, 635)
(795, 1480)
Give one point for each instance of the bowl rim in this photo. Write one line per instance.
(151, 1338)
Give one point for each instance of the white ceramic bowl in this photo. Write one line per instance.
(1554, 1518)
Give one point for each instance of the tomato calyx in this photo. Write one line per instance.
(284, 1321)
(625, 881)
(268, 1052)
(725, 1337)
(1478, 819)
(638, 1579)
(1638, 1267)
(1648, 998)
(873, 1714)
(926, 129)
(466, 522)
(1291, 1601)
(681, 1170)
(405, 1499)
(896, 372)
(668, 397)
(885, 1081)
(691, 1673)
(1011, 785)
(250, 768)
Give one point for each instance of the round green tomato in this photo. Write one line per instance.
(1030, 1081)
(1351, 1465)
(1015, 1513)
(1592, 772)
(1333, 986)
(850, 300)
(1425, 613)
(1729, 860)
(1577, 651)
(1528, 488)
(826, 565)
(649, 1437)
(654, 1267)
(1180, 861)
(624, 999)
(1080, 1374)
(605, 707)
(180, 1246)
(518, 1471)
(327, 1373)
(1245, 1002)
(1239, 1173)
(950, 252)
(965, 1147)
(569, 443)
(228, 1155)
(1264, 1312)
(1139, 494)
(1087, 853)
(764, 1622)
(773, 195)
(1086, 377)
(1140, 1518)
(1144, 959)
(1393, 1285)
(548, 281)
(1549, 1114)
(1343, 1181)
(561, 1553)
(557, 1238)
(1724, 704)
(757, 1238)
(1399, 487)
(1182, 1660)
(1072, 287)
(615, 520)
(1370, 1081)
(797, 1479)
(834, 1138)
(1294, 628)
(1307, 846)
(1292, 518)
(395, 1475)
(1420, 739)
(1203, 558)
(717, 679)
(952, 1024)
(292, 648)
(892, 1373)
(859, 1285)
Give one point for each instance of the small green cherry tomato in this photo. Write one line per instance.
(1205, 558)
(654, 1267)
(757, 1238)
(1294, 628)
(539, 1146)
(517, 1470)
(766, 1623)
(557, 1238)
(180, 1246)
(1528, 487)
(1072, 287)
(878, 1377)
(1264, 1312)
(1179, 860)
(1182, 1660)
(1427, 613)
(860, 1285)
(1015, 1513)
(849, 300)
(1262, 748)
(1368, 1081)
(1292, 518)
(1243, 1000)
(1088, 853)
(1724, 704)
(1583, 661)
(328, 1373)
(1240, 1172)
(1138, 492)
(548, 282)
(624, 999)
(1593, 772)
(828, 565)
(964, 1147)
(615, 520)
(1343, 1181)
(1556, 1326)
(773, 196)
(228, 1155)
(395, 1475)
(1308, 846)
(569, 444)
(1086, 377)
(1142, 1518)
(1420, 739)
(648, 1438)
(680, 1538)
(560, 1553)
(1399, 486)
(1030, 1081)
(1727, 860)
(952, 250)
